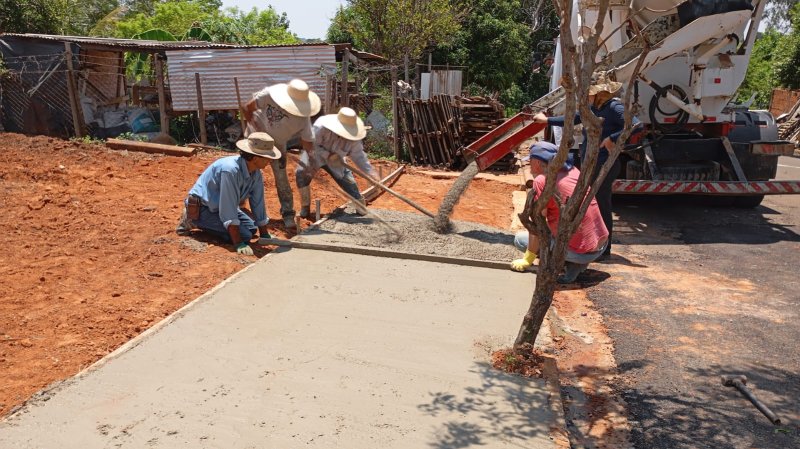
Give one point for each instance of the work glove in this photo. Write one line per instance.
(244, 249)
(524, 263)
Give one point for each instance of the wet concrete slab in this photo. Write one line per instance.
(311, 349)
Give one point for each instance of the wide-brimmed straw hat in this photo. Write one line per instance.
(259, 144)
(604, 85)
(295, 98)
(346, 124)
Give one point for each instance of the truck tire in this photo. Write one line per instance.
(748, 202)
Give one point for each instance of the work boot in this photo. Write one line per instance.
(571, 272)
(305, 202)
(289, 223)
(361, 206)
(185, 225)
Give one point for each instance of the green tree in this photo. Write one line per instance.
(498, 43)
(399, 29)
(760, 78)
(338, 32)
(778, 13)
(176, 17)
(260, 27)
(72, 17)
(788, 51)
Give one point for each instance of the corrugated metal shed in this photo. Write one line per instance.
(255, 68)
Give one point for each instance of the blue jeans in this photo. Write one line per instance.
(308, 169)
(210, 223)
(521, 242)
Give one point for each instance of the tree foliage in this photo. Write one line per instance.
(760, 78)
(397, 28)
(788, 50)
(71, 17)
(778, 13)
(499, 43)
(129, 18)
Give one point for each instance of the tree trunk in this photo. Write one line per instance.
(540, 304)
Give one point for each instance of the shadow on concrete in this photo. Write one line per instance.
(646, 220)
(523, 415)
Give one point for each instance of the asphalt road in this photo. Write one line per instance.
(699, 292)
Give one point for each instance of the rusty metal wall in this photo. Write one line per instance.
(254, 68)
(441, 82)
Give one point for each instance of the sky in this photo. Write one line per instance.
(307, 18)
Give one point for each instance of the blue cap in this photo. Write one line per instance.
(546, 152)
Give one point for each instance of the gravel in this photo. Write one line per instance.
(465, 240)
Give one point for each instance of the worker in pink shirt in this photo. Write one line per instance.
(591, 238)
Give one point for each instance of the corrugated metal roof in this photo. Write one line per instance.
(254, 68)
(144, 45)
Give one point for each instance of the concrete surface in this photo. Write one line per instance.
(468, 240)
(311, 349)
(699, 292)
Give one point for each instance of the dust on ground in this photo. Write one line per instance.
(91, 258)
(596, 414)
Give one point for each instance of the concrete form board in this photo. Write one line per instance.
(255, 69)
(345, 351)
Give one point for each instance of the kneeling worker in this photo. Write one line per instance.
(213, 201)
(336, 136)
(591, 238)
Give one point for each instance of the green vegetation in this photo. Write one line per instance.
(775, 58)
(396, 29)
(497, 41)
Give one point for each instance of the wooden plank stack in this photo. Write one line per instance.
(435, 130)
(477, 116)
(789, 128)
(430, 130)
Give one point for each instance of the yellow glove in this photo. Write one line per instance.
(526, 261)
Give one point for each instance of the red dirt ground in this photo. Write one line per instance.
(91, 256)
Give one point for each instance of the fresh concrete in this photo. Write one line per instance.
(466, 239)
(311, 349)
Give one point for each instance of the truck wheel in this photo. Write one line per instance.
(633, 170)
(748, 202)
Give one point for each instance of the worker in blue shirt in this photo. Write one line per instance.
(213, 204)
(606, 106)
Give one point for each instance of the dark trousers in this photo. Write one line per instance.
(604, 198)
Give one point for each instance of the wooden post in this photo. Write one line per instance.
(405, 63)
(201, 112)
(121, 73)
(72, 88)
(162, 96)
(344, 99)
(239, 102)
(395, 130)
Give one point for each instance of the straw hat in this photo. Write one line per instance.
(259, 144)
(603, 84)
(295, 98)
(345, 124)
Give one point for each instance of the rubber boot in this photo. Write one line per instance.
(185, 225)
(305, 202)
(571, 272)
(361, 206)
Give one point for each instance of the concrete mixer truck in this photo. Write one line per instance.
(696, 141)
